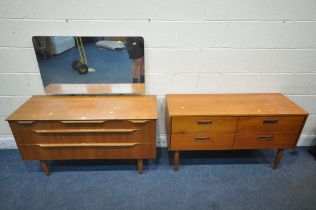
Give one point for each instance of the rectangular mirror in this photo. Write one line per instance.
(90, 65)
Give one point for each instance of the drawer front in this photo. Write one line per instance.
(202, 141)
(203, 124)
(264, 140)
(56, 132)
(62, 152)
(96, 124)
(270, 124)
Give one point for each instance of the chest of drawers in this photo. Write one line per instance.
(232, 121)
(86, 127)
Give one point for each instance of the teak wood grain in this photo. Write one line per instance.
(26, 133)
(203, 124)
(260, 104)
(232, 121)
(202, 141)
(88, 108)
(137, 151)
(264, 140)
(86, 127)
(270, 124)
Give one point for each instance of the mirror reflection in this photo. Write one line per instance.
(92, 64)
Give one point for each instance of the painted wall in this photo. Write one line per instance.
(192, 46)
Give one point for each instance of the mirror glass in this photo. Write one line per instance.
(90, 65)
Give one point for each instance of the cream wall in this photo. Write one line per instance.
(192, 46)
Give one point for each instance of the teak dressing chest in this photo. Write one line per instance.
(232, 121)
(86, 127)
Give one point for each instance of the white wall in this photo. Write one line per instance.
(192, 46)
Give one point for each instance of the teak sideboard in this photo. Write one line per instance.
(86, 127)
(232, 121)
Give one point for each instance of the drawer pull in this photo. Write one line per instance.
(202, 138)
(86, 131)
(25, 122)
(270, 121)
(80, 122)
(265, 138)
(204, 122)
(138, 121)
(87, 145)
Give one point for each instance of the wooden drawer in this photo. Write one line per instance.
(56, 132)
(101, 151)
(264, 140)
(270, 124)
(202, 141)
(203, 124)
(136, 124)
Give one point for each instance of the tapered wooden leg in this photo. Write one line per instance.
(140, 166)
(278, 158)
(45, 167)
(176, 161)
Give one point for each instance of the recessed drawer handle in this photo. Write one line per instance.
(265, 138)
(84, 121)
(138, 121)
(202, 138)
(87, 145)
(270, 121)
(204, 122)
(86, 131)
(25, 122)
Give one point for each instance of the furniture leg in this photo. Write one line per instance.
(45, 167)
(176, 160)
(140, 166)
(278, 158)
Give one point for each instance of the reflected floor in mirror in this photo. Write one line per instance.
(109, 67)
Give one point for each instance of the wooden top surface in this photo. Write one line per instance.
(86, 108)
(262, 104)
